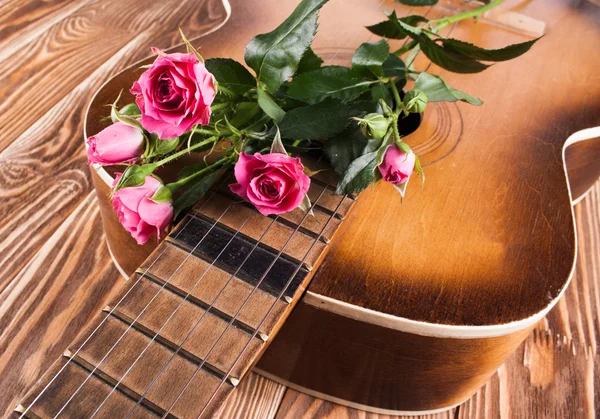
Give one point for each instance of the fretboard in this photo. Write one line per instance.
(196, 316)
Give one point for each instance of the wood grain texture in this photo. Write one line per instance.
(510, 391)
(554, 374)
(51, 299)
(43, 168)
(503, 240)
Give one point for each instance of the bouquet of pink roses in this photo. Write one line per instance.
(263, 122)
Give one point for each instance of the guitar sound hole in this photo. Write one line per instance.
(409, 124)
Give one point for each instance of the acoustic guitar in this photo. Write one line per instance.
(385, 306)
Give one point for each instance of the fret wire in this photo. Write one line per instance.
(175, 311)
(249, 296)
(261, 323)
(272, 306)
(199, 320)
(130, 326)
(28, 408)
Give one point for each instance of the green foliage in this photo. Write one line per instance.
(473, 51)
(269, 106)
(134, 175)
(275, 56)
(392, 29)
(162, 194)
(131, 109)
(393, 66)
(358, 175)
(415, 101)
(309, 62)
(369, 58)
(331, 81)
(244, 113)
(437, 90)
(194, 192)
(314, 122)
(231, 75)
(345, 147)
(448, 59)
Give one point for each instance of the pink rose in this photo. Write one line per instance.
(140, 215)
(397, 166)
(274, 183)
(118, 143)
(174, 94)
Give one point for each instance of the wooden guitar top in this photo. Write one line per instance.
(489, 240)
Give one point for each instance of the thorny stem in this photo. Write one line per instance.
(185, 151)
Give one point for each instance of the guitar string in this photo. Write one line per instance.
(95, 330)
(180, 305)
(198, 368)
(235, 315)
(142, 312)
(263, 320)
(36, 399)
(252, 293)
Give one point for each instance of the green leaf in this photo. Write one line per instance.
(305, 205)
(449, 60)
(309, 62)
(358, 175)
(369, 57)
(275, 56)
(314, 122)
(125, 119)
(393, 66)
(231, 74)
(268, 104)
(165, 146)
(188, 171)
(381, 91)
(437, 90)
(162, 194)
(193, 194)
(244, 113)
(478, 53)
(418, 2)
(362, 107)
(330, 81)
(410, 29)
(388, 29)
(413, 20)
(391, 29)
(134, 175)
(345, 147)
(277, 146)
(131, 109)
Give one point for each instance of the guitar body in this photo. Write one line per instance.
(414, 305)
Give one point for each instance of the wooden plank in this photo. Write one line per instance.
(255, 398)
(61, 289)
(555, 373)
(43, 172)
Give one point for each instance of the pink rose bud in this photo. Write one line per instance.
(118, 143)
(138, 213)
(274, 183)
(174, 94)
(397, 166)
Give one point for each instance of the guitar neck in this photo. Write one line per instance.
(196, 316)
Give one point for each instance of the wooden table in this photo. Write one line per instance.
(55, 270)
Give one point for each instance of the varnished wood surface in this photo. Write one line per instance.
(196, 316)
(46, 299)
(499, 223)
(502, 234)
